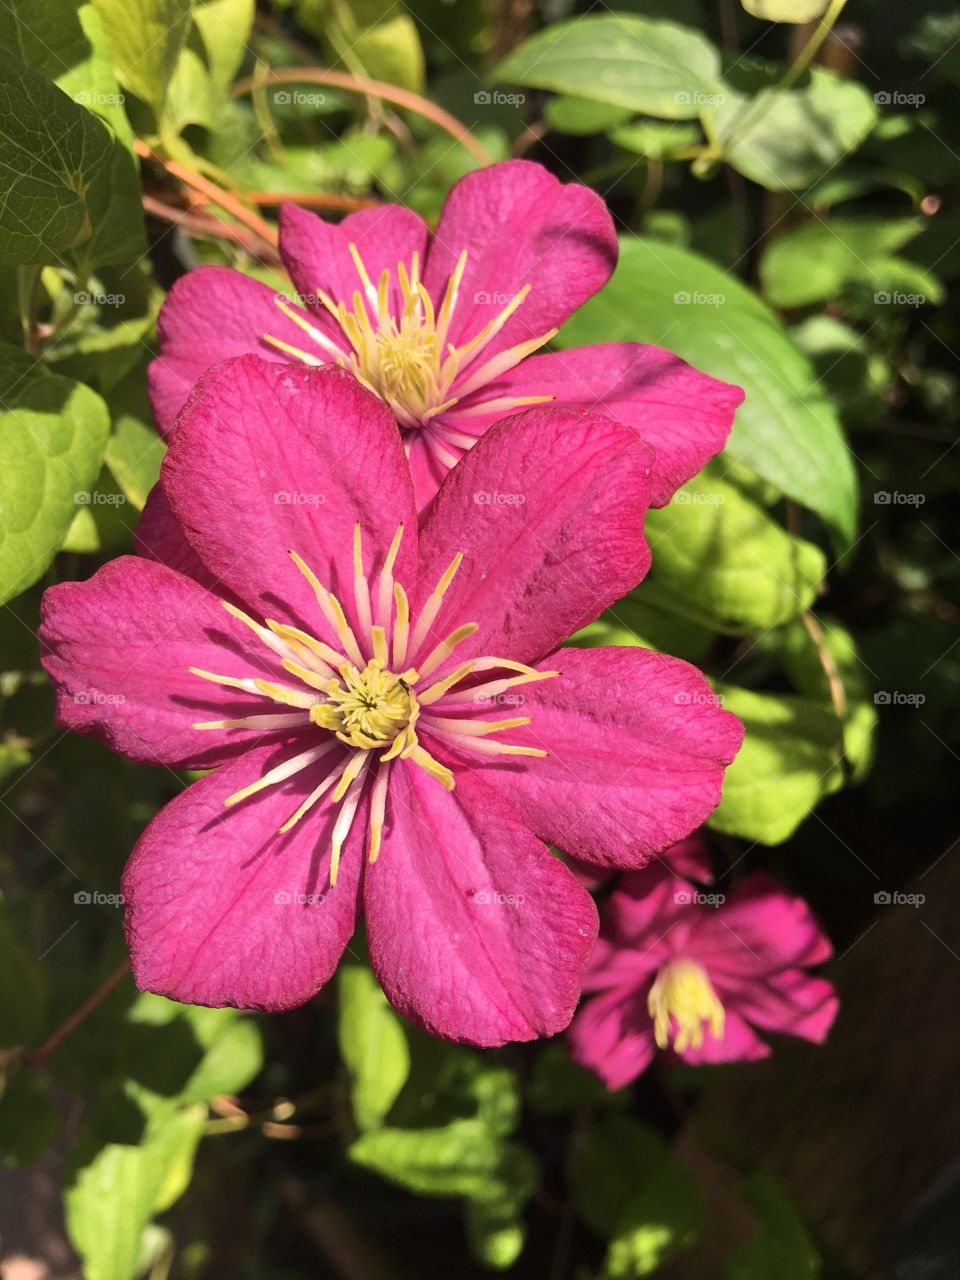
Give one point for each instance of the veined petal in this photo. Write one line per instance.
(612, 1034)
(317, 253)
(269, 459)
(118, 649)
(221, 910)
(548, 509)
(503, 929)
(211, 314)
(520, 226)
(637, 748)
(684, 414)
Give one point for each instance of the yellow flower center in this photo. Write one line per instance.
(353, 692)
(683, 992)
(406, 358)
(368, 708)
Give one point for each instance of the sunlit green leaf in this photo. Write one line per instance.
(786, 139)
(786, 431)
(659, 68)
(52, 439)
(373, 1044)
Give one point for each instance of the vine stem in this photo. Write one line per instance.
(813, 45)
(216, 195)
(375, 88)
(79, 1016)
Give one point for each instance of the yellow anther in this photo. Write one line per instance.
(683, 991)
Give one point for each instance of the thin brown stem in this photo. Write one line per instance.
(377, 88)
(79, 1016)
(216, 195)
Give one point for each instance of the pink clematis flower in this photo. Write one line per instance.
(443, 327)
(386, 709)
(694, 972)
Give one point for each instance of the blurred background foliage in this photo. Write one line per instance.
(785, 176)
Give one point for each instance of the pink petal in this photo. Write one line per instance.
(791, 1003)
(221, 910)
(548, 509)
(317, 256)
(476, 932)
(118, 649)
(739, 1043)
(212, 314)
(685, 414)
(269, 458)
(612, 1035)
(759, 929)
(637, 748)
(158, 537)
(520, 226)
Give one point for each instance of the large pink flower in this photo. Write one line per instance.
(695, 972)
(442, 327)
(379, 706)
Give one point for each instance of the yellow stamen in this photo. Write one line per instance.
(446, 646)
(431, 608)
(683, 991)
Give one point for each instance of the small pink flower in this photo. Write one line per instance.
(387, 710)
(443, 327)
(683, 969)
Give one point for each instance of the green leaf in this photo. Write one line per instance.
(28, 1120)
(145, 38)
(115, 1190)
(134, 454)
(22, 989)
(804, 667)
(787, 139)
(630, 1190)
(222, 1051)
(373, 1045)
(786, 431)
(722, 561)
(65, 43)
(790, 759)
(495, 1229)
(782, 1246)
(52, 439)
(457, 1160)
(582, 116)
(656, 139)
(817, 260)
(785, 10)
(659, 68)
(71, 189)
(369, 36)
(560, 1085)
